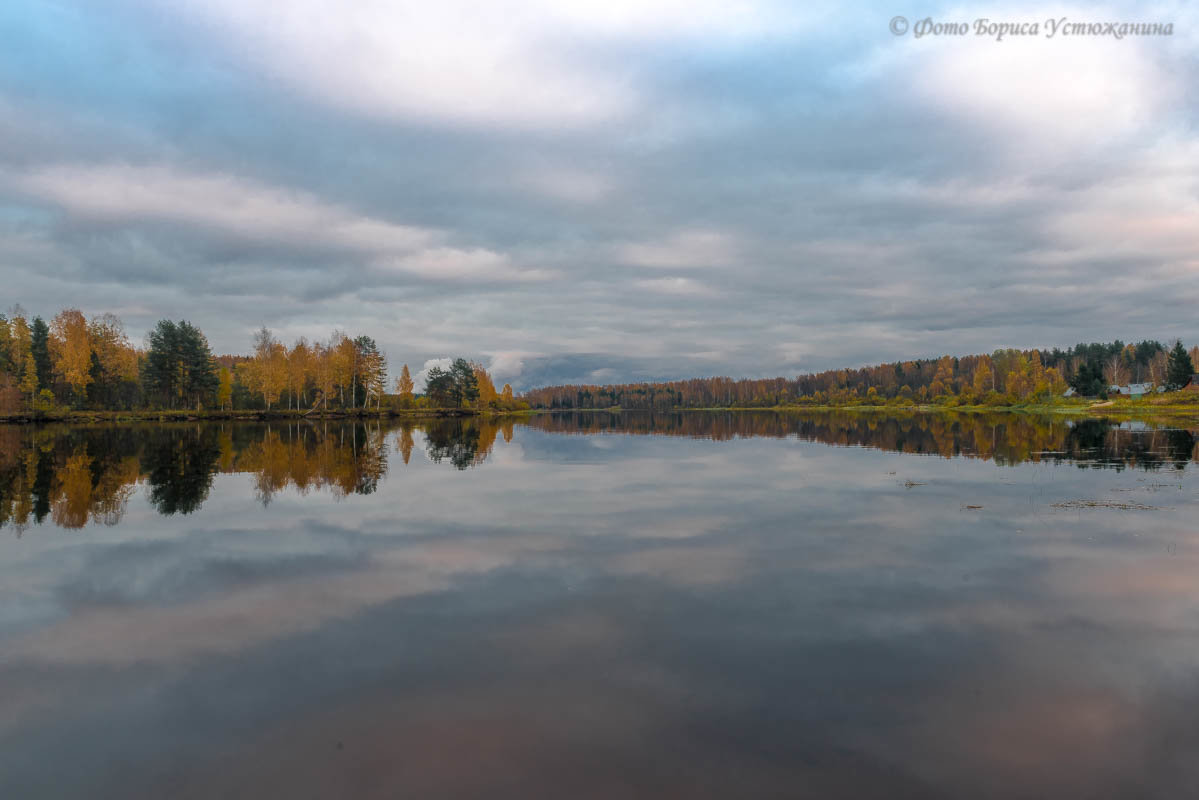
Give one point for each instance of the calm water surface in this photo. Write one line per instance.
(596, 606)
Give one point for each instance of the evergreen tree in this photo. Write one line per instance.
(466, 385)
(180, 369)
(439, 386)
(40, 345)
(6, 354)
(372, 369)
(1179, 369)
(1088, 380)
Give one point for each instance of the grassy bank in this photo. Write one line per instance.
(247, 415)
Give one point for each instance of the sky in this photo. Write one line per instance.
(603, 191)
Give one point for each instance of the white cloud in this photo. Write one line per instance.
(516, 64)
(423, 375)
(227, 203)
(506, 366)
(565, 183)
(1041, 97)
(122, 194)
(691, 249)
(685, 287)
(450, 263)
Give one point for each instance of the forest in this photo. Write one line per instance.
(76, 363)
(1003, 378)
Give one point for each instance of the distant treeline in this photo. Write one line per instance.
(1005, 377)
(74, 362)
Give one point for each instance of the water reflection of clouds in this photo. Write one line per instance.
(762, 610)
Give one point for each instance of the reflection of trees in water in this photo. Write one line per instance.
(1003, 438)
(463, 442)
(343, 458)
(179, 464)
(73, 475)
(77, 475)
(70, 475)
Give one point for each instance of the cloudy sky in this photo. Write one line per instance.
(602, 190)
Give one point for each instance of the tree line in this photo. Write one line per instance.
(1004, 377)
(74, 362)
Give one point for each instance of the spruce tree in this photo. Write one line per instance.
(1179, 368)
(40, 345)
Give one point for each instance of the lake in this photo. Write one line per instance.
(594, 605)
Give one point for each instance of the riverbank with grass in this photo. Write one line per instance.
(179, 415)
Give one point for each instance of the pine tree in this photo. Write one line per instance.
(39, 342)
(1180, 368)
(180, 370)
(439, 387)
(372, 368)
(465, 385)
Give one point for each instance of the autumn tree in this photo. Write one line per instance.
(323, 372)
(21, 354)
(224, 394)
(71, 349)
(487, 395)
(1115, 370)
(943, 378)
(114, 366)
(404, 387)
(344, 356)
(267, 371)
(1054, 382)
(984, 379)
(28, 384)
(299, 369)
(372, 368)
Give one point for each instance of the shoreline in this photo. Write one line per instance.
(1105, 409)
(44, 417)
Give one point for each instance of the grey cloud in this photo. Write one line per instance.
(820, 195)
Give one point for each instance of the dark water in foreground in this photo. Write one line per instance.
(588, 606)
